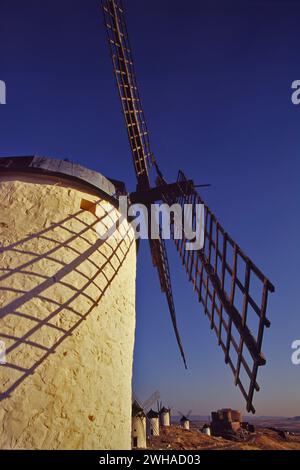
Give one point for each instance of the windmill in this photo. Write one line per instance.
(233, 291)
(185, 419)
(164, 414)
(138, 427)
(152, 423)
(144, 420)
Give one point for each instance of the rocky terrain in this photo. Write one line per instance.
(176, 438)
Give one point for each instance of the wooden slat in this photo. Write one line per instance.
(232, 293)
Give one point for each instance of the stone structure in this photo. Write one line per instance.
(67, 309)
(164, 416)
(138, 433)
(185, 423)
(225, 421)
(206, 430)
(152, 423)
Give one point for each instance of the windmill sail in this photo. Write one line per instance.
(137, 132)
(232, 290)
(149, 402)
(160, 261)
(127, 87)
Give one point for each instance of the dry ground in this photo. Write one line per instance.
(176, 438)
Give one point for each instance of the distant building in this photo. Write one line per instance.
(206, 430)
(138, 434)
(165, 416)
(185, 422)
(225, 421)
(152, 423)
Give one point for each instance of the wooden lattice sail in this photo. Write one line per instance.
(231, 289)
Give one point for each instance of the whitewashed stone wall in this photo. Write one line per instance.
(67, 306)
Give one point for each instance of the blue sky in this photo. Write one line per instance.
(215, 81)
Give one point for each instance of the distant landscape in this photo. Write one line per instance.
(279, 422)
(271, 433)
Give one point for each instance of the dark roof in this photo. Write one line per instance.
(164, 410)
(184, 418)
(63, 169)
(152, 414)
(137, 410)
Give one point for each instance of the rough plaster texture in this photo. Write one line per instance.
(67, 316)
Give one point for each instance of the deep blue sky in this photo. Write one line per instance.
(215, 81)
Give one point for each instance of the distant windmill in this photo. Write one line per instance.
(164, 415)
(231, 289)
(144, 422)
(184, 419)
(138, 433)
(152, 423)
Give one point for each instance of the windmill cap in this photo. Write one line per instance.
(165, 410)
(58, 169)
(184, 418)
(152, 414)
(137, 410)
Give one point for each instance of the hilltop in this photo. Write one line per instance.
(176, 438)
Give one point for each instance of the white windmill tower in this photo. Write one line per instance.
(138, 435)
(206, 430)
(152, 423)
(184, 420)
(164, 415)
(142, 425)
